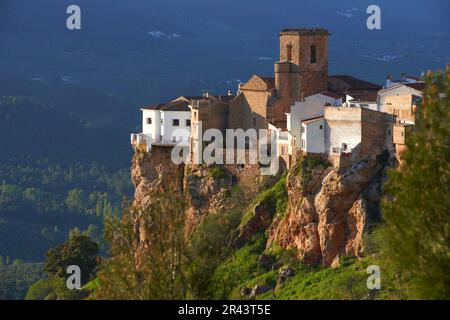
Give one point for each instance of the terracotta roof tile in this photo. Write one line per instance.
(417, 86)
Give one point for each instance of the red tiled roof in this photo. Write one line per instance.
(369, 97)
(416, 86)
(332, 95)
(178, 105)
(349, 83)
(305, 31)
(157, 106)
(270, 81)
(227, 98)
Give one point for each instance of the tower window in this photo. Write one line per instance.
(149, 120)
(313, 54)
(289, 52)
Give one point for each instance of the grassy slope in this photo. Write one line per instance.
(310, 282)
(348, 281)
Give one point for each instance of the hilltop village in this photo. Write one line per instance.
(340, 117)
(335, 136)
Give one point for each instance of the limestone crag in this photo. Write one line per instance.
(329, 210)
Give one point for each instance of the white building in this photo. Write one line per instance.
(352, 133)
(165, 124)
(368, 101)
(312, 107)
(283, 141)
(313, 135)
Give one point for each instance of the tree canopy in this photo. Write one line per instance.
(417, 206)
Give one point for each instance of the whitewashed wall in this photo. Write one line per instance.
(181, 132)
(344, 126)
(154, 129)
(312, 107)
(314, 136)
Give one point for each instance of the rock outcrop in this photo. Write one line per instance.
(206, 189)
(151, 171)
(259, 220)
(328, 211)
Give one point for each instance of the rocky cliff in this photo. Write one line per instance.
(328, 210)
(206, 189)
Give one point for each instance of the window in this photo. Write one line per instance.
(313, 54)
(254, 122)
(175, 122)
(303, 129)
(321, 127)
(289, 52)
(174, 139)
(149, 120)
(283, 150)
(344, 147)
(303, 143)
(188, 122)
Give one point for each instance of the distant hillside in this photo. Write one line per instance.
(61, 167)
(15, 279)
(60, 123)
(161, 49)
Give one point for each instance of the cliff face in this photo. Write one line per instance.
(328, 210)
(150, 171)
(206, 189)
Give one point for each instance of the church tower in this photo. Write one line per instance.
(302, 69)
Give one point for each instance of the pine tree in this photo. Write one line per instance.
(417, 208)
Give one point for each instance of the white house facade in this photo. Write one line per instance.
(313, 135)
(166, 124)
(312, 107)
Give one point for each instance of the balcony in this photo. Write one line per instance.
(147, 139)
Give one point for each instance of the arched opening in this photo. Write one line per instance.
(313, 54)
(289, 52)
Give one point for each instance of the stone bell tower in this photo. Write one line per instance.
(303, 67)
